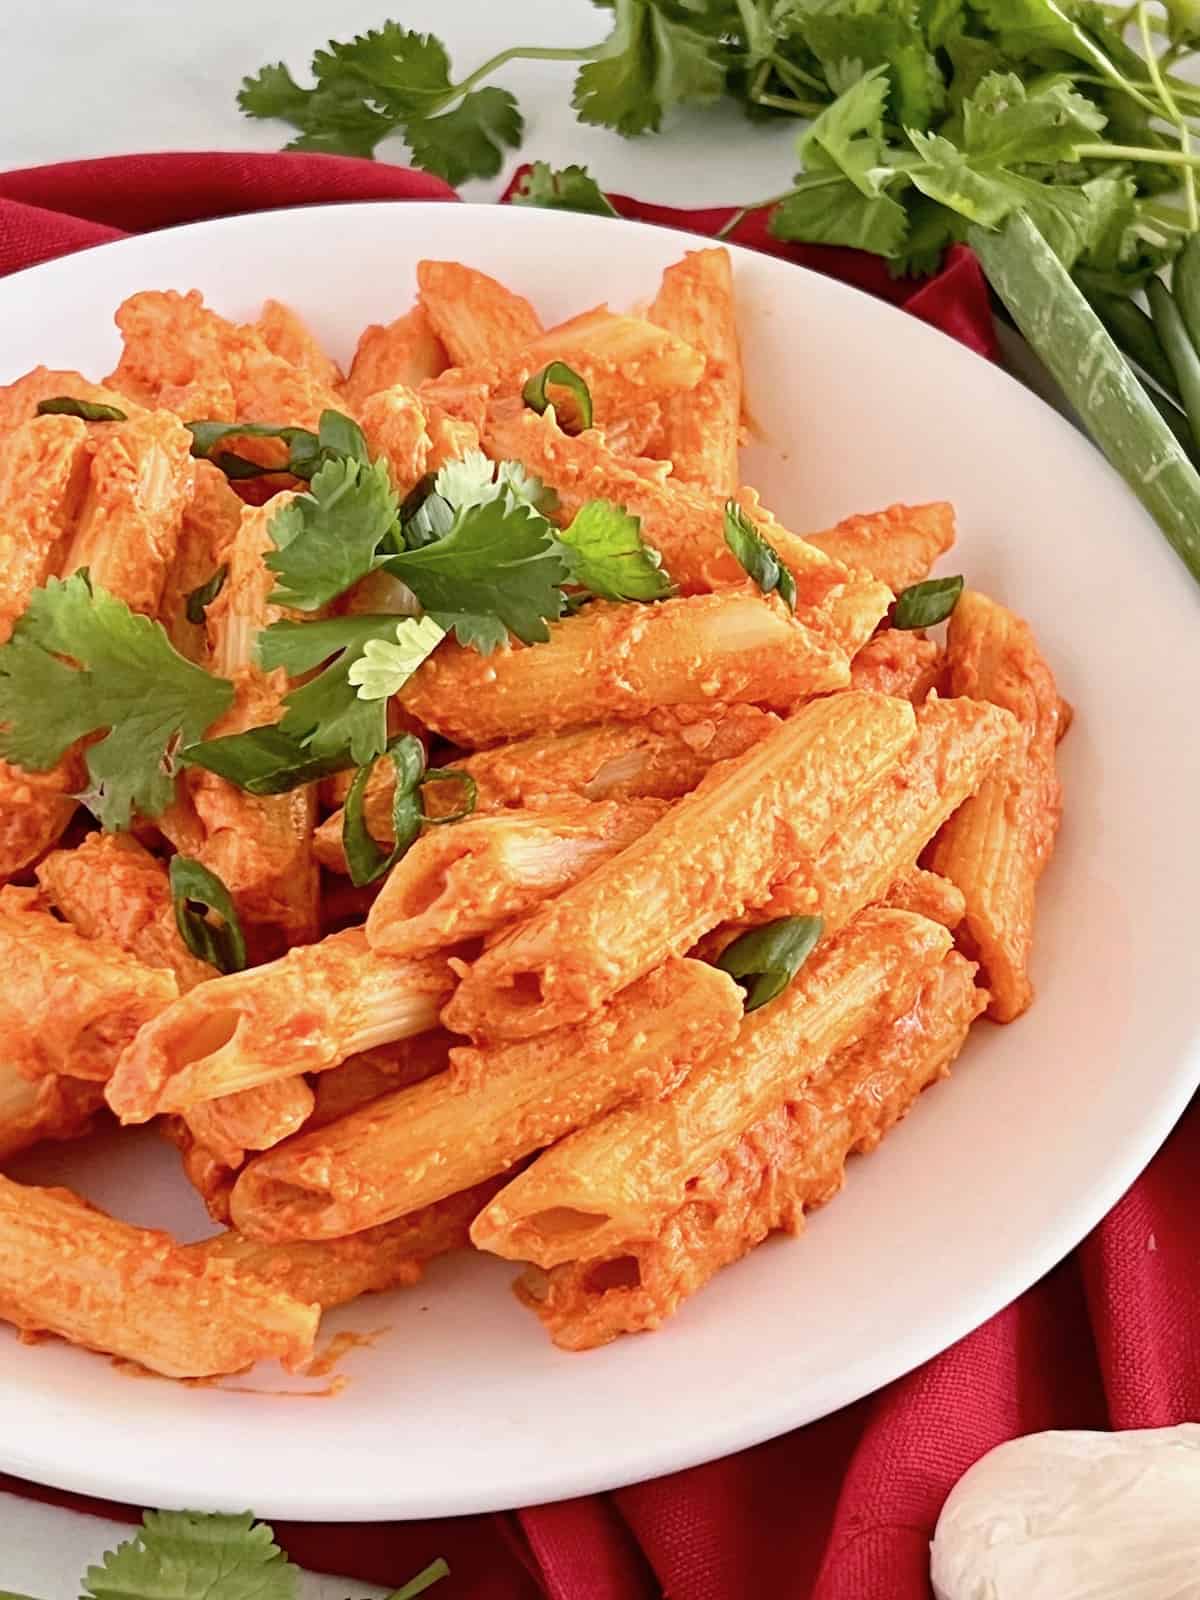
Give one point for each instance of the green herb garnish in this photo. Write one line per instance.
(196, 892)
(564, 377)
(760, 560)
(338, 436)
(81, 662)
(192, 1555)
(365, 860)
(924, 605)
(66, 405)
(605, 554)
(765, 960)
(203, 595)
(569, 189)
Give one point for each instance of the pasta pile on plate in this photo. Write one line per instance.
(741, 859)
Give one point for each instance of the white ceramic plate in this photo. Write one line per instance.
(461, 1405)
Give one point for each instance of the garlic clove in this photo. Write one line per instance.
(1075, 1516)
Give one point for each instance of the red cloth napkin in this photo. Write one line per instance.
(843, 1509)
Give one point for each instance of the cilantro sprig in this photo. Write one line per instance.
(81, 663)
(193, 1555)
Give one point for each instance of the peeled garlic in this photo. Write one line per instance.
(1064, 1516)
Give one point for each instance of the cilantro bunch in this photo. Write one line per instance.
(191, 1555)
(1103, 129)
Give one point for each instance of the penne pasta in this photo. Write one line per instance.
(700, 429)
(332, 1272)
(260, 846)
(621, 1177)
(44, 466)
(721, 848)
(405, 351)
(128, 527)
(50, 1107)
(790, 1162)
(35, 809)
(927, 895)
(661, 757)
(306, 1012)
(476, 318)
(109, 886)
(68, 1004)
(208, 528)
(234, 618)
(252, 1119)
(898, 662)
(68, 1269)
(459, 882)
(996, 846)
(287, 336)
(898, 545)
(180, 355)
(377, 1072)
(493, 1107)
(686, 526)
(621, 661)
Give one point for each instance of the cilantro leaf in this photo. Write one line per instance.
(848, 135)
(649, 63)
(846, 40)
(273, 92)
(386, 665)
(829, 209)
(185, 1555)
(326, 715)
(605, 553)
(470, 140)
(326, 539)
(499, 561)
(407, 72)
(568, 189)
(122, 675)
(263, 760)
(1004, 123)
(760, 560)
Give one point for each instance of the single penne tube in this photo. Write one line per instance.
(405, 351)
(179, 354)
(719, 849)
(210, 524)
(305, 1012)
(109, 886)
(70, 1004)
(898, 661)
(786, 1165)
(996, 846)
(332, 1272)
(621, 661)
(51, 1107)
(233, 620)
(494, 1106)
(260, 846)
(466, 880)
(253, 1119)
(476, 318)
(928, 895)
(700, 429)
(68, 1269)
(661, 757)
(898, 545)
(956, 745)
(128, 527)
(685, 525)
(287, 335)
(44, 465)
(35, 808)
(620, 1177)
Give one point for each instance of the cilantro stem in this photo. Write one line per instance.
(794, 76)
(1173, 112)
(1133, 152)
(742, 212)
(520, 52)
(798, 108)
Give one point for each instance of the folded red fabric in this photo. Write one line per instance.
(843, 1509)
